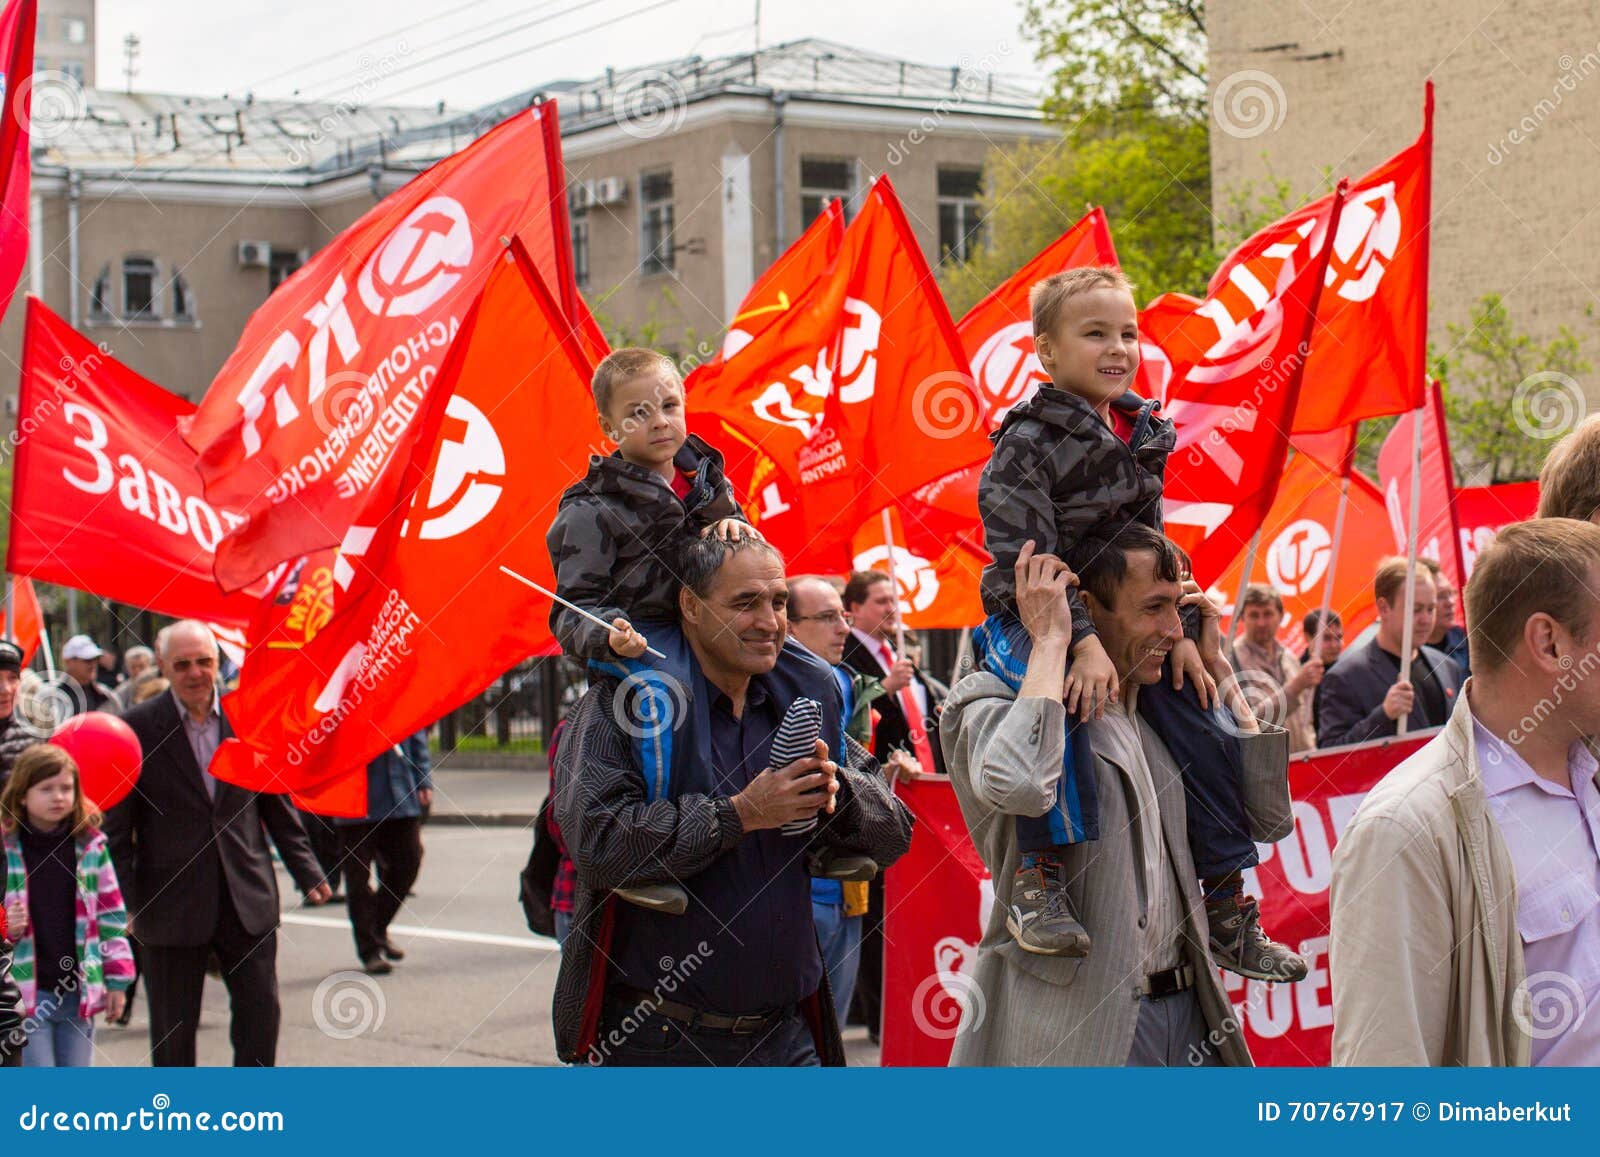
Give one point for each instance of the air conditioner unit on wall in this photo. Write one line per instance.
(580, 195)
(255, 254)
(610, 190)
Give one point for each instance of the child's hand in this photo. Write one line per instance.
(1092, 681)
(17, 918)
(624, 640)
(115, 1003)
(731, 530)
(1186, 665)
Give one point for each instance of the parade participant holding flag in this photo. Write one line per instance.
(1083, 457)
(617, 543)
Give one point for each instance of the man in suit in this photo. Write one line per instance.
(191, 854)
(1363, 696)
(1149, 992)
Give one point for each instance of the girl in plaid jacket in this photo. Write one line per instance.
(64, 907)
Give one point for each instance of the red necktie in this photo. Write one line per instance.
(914, 720)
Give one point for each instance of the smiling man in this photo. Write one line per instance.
(1148, 993)
(737, 978)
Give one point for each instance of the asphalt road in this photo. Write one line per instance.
(474, 988)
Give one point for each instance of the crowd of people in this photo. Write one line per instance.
(722, 810)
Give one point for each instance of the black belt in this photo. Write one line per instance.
(743, 1025)
(1167, 982)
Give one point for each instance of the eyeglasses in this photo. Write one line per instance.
(205, 663)
(833, 618)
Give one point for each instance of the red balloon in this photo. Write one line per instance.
(107, 754)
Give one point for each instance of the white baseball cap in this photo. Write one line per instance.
(81, 647)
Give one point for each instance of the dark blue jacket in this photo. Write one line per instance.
(393, 780)
(1350, 698)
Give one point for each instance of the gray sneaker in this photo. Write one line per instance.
(1040, 918)
(1239, 945)
(667, 898)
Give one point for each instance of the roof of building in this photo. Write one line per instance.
(168, 136)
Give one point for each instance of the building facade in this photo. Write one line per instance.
(160, 222)
(1337, 87)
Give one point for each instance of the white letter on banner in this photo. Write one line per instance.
(330, 315)
(134, 489)
(169, 504)
(94, 442)
(283, 355)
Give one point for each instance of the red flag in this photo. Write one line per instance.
(1232, 408)
(30, 618)
(362, 648)
(16, 109)
(105, 496)
(1436, 518)
(305, 423)
(1483, 510)
(1335, 449)
(937, 590)
(855, 396)
(1369, 357)
(1296, 551)
(997, 333)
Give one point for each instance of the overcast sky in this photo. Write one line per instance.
(384, 49)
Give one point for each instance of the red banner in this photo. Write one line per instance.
(997, 333)
(1436, 515)
(361, 648)
(1482, 510)
(29, 627)
(314, 415)
(938, 898)
(105, 496)
(16, 108)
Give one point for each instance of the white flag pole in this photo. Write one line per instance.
(1411, 555)
(1244, 582)
(1333, 566)
(11, 601)
(899, 624)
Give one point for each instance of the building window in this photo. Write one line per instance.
(820, 182)
(182, 298)
(960, 222)
(74, 31)
(138, 287)
(580, 247)
(281, 265)
(100, 295)
(655, 221)
(74, 69)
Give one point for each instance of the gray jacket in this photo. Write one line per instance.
(1004, 755)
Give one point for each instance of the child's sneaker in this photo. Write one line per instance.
(832, 864)
(667, 898)
(1041, 918)
(1239, 945)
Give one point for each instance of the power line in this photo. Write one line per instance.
(304, 65)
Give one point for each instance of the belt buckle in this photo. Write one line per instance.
(1167, 982)
(747, 1024)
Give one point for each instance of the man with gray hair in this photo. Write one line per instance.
(737, 978)
(191, 855)
(141, 664)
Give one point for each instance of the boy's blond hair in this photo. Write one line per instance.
(1047, 298)
(1569, 484)
(625, 364)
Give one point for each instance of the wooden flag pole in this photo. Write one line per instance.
(1333, 566)
(1244, 582)
(1411, 557)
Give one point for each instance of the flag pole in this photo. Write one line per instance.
(11, 601)
(1333, 565)
(899, 624)
(1244, 582)
(1411, 556)
(963, 654)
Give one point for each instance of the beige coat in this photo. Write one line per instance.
(1426, 959)
(1004, 756)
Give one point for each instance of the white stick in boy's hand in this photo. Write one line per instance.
(593, 618)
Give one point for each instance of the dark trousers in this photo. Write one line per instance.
(654, 1041)
(175, 977)
(868, 998)
(395, 847)
(325, 844)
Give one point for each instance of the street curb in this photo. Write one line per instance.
(483, 819)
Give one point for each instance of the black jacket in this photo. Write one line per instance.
(1349, 703)
(10, 1007)
(893, 730)
(174, 847)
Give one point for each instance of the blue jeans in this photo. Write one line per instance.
(840, 938)
(563, 926)
(58, 1037)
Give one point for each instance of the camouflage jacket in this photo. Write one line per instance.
(617, 538)
(1058, 475)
